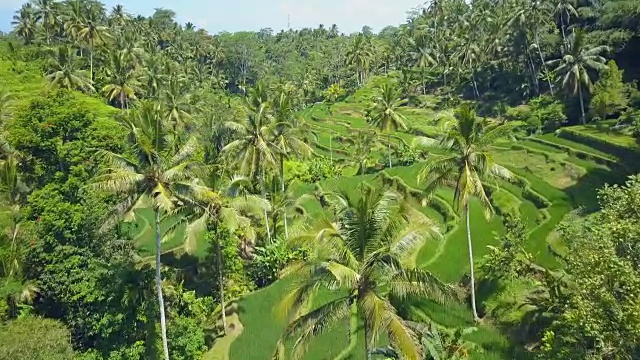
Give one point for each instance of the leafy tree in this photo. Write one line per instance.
(158, 169)
(574, 66)
(609, 92)
(360, 255)
(384, 113)
(360, 55)
(467, 166)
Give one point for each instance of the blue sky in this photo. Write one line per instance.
(236, 15)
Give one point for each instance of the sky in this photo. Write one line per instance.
(238, 15)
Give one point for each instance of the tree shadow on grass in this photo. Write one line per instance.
(584, 194)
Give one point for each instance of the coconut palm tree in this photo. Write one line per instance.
(207, 208)
(359, 56)
(25, 23)
(360, 255)
(422, 58)
(288, 136)
(253, 152)
(154, 175)
(563, 11)
(122, 80)
(384, 114)
(575, 65)
(467, 166)
(47, 12)
(64, 70)
(92, 33)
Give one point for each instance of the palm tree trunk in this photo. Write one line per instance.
(163, 321)
(220, 281)
(544, 64)
(564, 36)
(534, 78)
(475, 85)
(286, 227)
(353, 336)
(473, 279)
(266, 216)
(367, 351)
(91, 63)
(330, 147)
(582, 117)
(389, 149)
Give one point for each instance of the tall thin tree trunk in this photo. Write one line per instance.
(91, 63)
(544, 64)
(534, 78)
(353, 336)
(282, 188)
(473, 279)
(330, 147)
(367, 351)
(582, 117)
(475, 86)
(163, 321)
(266, 216)
(564, 36)
(220, 280)
(389, 149)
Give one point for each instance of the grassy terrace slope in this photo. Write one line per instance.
(555, 175)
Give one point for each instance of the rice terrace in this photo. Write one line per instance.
(461, 185)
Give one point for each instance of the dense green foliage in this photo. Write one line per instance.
(164, 191)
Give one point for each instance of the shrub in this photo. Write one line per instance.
(269, 260)
(543, 113)
(609, 93)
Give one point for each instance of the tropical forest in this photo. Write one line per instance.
(462, 185)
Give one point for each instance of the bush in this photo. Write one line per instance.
(313, 171)
(609, 93)
(543, 114)
(269, 260)
(35, 339)
(186, 339)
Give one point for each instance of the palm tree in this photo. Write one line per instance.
(176, 100)
(384, 114)
(422, 58)
(46, 11)
(207, 208)
(93, 34)
(467, 166)
(287, 137)
(65, 70)
(563, 11)
(154, 75)
(122, 82)
(360, 255)
(254, 152)
(575, 65)
(156, 174)
(360, 55)
(6, 105)
(24, 23)
(75, 18)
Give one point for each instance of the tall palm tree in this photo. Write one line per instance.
(254, 152)
(422, 58)
(360, 55)
(384, 114)
(220, 204)
(64, 70)
(156, 174)
(153, 75)
(467, 166)
(47, 12)
(177, 104)
(360, 255)
(74, 18)
(287, 137)
(575, 65)
(93, 33)
(563, 11)
(25, 23)
(122, 82)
